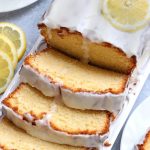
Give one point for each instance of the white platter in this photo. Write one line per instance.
(121, 118)
(11, 5)
(136, 127)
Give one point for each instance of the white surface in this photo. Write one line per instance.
(136, 127)
(34, 13)
(10, 5)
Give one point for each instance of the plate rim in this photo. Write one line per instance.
(20, 7)
(130, 117)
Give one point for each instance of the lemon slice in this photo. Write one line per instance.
(8, 47)
(6, 71)
(16, 35)
(127, 15)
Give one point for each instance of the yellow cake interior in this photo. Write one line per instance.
(26, 99)
(85, 122)
(74, 75)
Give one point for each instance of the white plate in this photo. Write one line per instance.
(136, 127)
(10, 5)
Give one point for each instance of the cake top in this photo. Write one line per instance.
(121, 23)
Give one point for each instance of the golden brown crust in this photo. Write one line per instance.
(65, 31)
(142, 146)
(107, 144)
(2, 147)
(87, 132)
(7, 102)
(109, 90)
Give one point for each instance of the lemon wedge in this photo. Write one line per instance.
(16, 35)
(8, 47)
(6, 71)
(127, 15)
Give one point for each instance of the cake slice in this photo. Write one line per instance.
(102, 54)
(80, 85)
(42, 117)
(146, 143)
(13, 138)
(87, 32)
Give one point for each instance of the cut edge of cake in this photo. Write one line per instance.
(110, 99)
(45, 130)
(58, 35)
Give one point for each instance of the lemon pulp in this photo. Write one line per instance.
(8, 47)
(16, 35)
(127, 15)
(6, 71)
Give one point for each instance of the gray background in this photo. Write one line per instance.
(27, 18)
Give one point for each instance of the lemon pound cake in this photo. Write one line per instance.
(13, 138)
(107, 33)
(41, 117)
(146, 143)
(80, 85)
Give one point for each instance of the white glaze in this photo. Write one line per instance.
(85, 17)
(29, 75)
(79, 100)
(43, 130)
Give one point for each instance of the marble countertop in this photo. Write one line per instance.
(27, 18)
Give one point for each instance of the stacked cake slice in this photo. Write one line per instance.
(73, 43)
(42, 117)
(79, 85)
